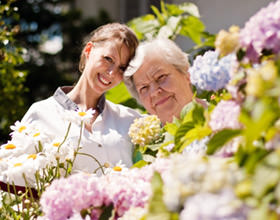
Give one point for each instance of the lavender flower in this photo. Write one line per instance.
(210, 73)
(225, 115)
(262, 32)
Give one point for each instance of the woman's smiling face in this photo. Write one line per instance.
(162, 89)
(106, 62)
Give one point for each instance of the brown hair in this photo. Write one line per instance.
(108, 32)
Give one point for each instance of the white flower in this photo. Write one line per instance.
(57, 150)
(26, 164)
(145, 130)
(134, 213)
(118, 168)
(79, 116)
(16, 148)
(20, 128)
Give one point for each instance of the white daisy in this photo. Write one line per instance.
(79, 116)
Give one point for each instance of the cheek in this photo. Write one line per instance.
(168, 85)
(146, 102)
(118, 78)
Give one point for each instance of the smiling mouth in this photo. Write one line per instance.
(103, 80)
(162, 101)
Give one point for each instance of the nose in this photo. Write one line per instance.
(155, 89)
(112, 70)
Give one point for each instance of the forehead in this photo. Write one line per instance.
(149, 68)
(118, 49)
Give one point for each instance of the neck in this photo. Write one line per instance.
(83, 96)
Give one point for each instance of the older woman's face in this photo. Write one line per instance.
(162, 89)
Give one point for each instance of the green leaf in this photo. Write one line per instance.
(169, 30)
(174, 9)
(220, 138)
(139, 164)
(158, 14)
(171, 128)
(265, 179)
(192, 27)
(137, 156)
(118, 94)
(143, 25)
(163, 9)
(258, 122)
(107, 212)
(186, 111)
(189, 8)
(197, 133)
(181, 132)
(157, 208)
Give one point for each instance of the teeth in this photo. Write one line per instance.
(103, 80)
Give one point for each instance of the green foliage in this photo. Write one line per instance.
(12, 78)
(157, 208)
(173, 20)
(220, 139)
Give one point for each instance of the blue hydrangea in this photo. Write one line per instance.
(210, 73)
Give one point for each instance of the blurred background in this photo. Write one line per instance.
(41, 40)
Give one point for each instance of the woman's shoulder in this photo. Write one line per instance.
(42, 107)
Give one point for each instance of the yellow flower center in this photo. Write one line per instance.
(36, 134)
(17, 164)
(10, 146)
(32, 156)
(56, 144)
(117, 168)
(22, 128)
(82, 114)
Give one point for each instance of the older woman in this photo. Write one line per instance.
(158, 78)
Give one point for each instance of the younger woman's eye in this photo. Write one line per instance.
(122, 68)
(108, 59)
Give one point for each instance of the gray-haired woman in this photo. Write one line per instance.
(158, 78)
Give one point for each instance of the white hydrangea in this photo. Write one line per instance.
(145, 130)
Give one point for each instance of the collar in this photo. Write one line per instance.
(61, 97)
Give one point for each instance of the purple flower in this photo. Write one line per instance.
(262, 31)
(210, 73)
(225, 115)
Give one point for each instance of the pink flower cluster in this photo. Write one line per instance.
(262, 32)
(225, 115)
(66, 197)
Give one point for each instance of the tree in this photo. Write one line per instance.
(12, 78)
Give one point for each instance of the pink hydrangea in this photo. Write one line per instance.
(225, 115)
(262, 32)
(65, 197)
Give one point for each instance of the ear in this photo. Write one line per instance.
(88, 48)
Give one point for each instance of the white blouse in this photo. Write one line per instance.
(108, 142)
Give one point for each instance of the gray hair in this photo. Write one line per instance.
(165, 49)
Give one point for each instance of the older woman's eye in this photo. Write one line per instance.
(143, 89)
(161, 78)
